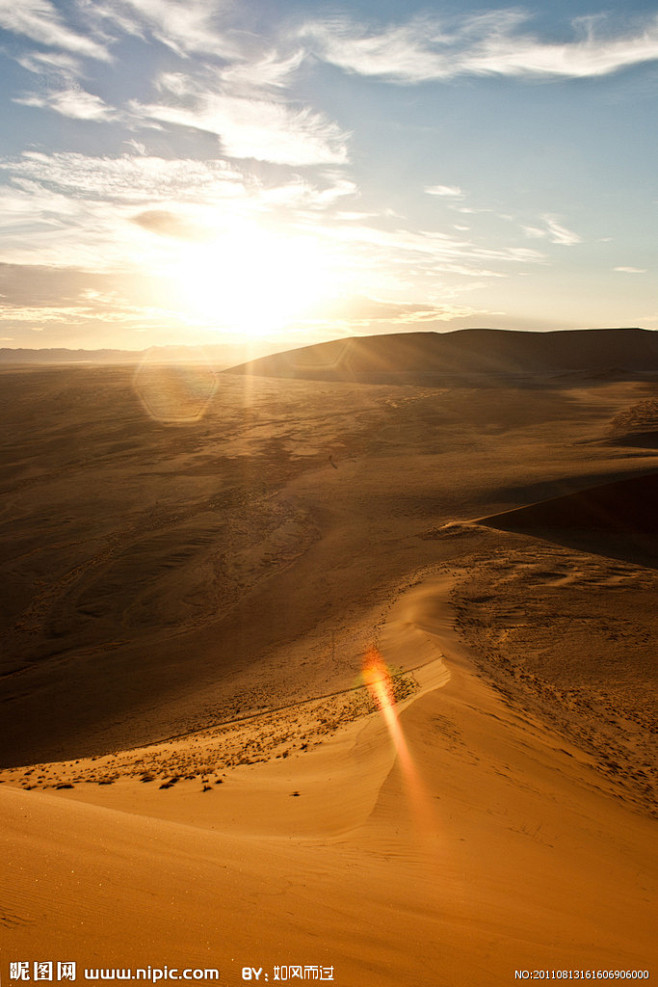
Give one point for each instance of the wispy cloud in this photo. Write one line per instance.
(553, 231)
(449, 191)
(33, 313)
(72, 102)
(82, 208)
(167, 223)
(269, 71)
(252, 128)
(186, 26)
(440, 265)
(42, 62)
(51, 298)
(631, 270)
(370, 313)
(236, 87)
(127, 178)
(425, 49)
(39, 285)
(40, 21)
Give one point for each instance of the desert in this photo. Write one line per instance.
(201, 568)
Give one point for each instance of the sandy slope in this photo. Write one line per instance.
(496, 847)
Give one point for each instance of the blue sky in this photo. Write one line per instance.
(189, 171)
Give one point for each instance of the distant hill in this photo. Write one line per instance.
(400, 357)
(62, 355)
(412, 356)
(217, 356)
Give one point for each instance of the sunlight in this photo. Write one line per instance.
(253, 281)
(377, 678)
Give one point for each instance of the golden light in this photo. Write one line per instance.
(380, 686)
(252, 281)
(377, 678)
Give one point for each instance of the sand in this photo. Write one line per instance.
(194, 774)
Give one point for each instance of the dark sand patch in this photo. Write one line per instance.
(619, 519)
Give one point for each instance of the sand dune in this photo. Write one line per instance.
(626, 507)
(193, 771)
(636, 426)
(480, 856)
(618, 519)
(466, 351)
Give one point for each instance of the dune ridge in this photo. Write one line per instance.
(489, 352)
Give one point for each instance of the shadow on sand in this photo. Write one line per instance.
(617, 519)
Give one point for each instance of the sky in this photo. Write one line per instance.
(182, 172)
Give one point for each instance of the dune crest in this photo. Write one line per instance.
(416, 357)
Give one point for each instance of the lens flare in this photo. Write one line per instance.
(177, 392)
(380, 686)
(377, 678)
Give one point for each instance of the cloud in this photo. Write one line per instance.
(631, 270)
(41, 286)
(40, 21)
(486, 44)
(127, 178)
(241, 100)
(362, 312)
(450, 191)
(437, 252)
(403, 53)
(244, 105)
(141, 213)
(436, 267)
(166, 223)
(560, 234)
(79, 210)
(186, 26)
(42, 62)
(267, 72)
(176, 196)
(50, 296)
(553, 231)
(308, 197)
(32, 313)
(254, 128)
(73, 102)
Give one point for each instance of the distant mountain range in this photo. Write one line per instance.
(412, 357)
(402, 357)
(61, 355)
(219, 355)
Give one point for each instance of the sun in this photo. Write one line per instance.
(253, 281)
